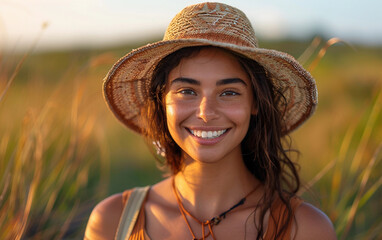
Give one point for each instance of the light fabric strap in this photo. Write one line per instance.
(130, 213)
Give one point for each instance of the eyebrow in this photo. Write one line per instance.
(185, 80)
(229, 81)
(218, 83)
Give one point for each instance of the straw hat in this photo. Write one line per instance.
(127, 83)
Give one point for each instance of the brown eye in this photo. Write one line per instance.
(187, 92)
(230, 93)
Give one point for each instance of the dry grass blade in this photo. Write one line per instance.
(338, 170)
(5, 188)
(360, 192)
(367, 133)
(44, 25)
(370, 192)
(38, 149)
(323, 50)
(309, 50)
(14, 74)
(26, 211)
(318, 176)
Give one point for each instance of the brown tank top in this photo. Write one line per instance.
(278, 215)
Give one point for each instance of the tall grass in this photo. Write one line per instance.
(53, 162)
(352, 180)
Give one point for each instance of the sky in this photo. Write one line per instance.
(63, 24)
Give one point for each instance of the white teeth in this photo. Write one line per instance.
(204, 134)
(199, 133)
(207, 134)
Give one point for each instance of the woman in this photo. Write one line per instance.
(217, 108)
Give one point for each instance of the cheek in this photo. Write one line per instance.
(171, 116)
(175, 114)
(239, 112)
(240, 116)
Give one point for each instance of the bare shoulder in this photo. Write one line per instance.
(313, 224)
(104, 219)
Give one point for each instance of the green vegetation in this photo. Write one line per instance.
(61, 150)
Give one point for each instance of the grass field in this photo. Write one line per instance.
(61, 150)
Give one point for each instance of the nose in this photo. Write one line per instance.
(207, 109)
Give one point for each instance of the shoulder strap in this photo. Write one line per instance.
(130, 213)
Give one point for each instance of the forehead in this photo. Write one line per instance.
(210, 63)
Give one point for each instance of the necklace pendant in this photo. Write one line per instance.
(215, 220)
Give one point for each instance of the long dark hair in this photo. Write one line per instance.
(265, 147)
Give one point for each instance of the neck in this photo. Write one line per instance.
(208, 189)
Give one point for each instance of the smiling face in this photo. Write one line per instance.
(209, 102)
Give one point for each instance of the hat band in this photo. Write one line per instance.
(235, 39)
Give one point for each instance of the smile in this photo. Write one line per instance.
(207, 134)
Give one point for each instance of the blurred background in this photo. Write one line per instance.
(62, 151)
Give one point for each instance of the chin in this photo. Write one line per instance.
(213, 156)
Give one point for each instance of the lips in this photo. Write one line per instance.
(207, 134)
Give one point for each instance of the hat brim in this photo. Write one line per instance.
(127, 83)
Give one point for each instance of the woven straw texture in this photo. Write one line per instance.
(127, 83)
